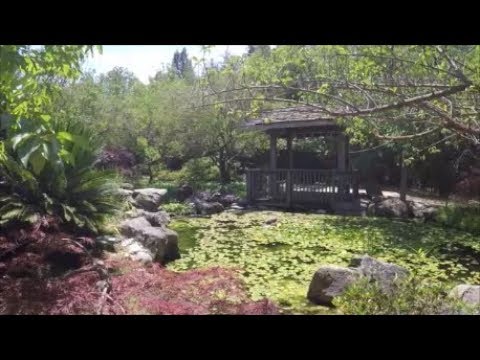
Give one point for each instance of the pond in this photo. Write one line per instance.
(277, 253)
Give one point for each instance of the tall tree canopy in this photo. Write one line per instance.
(182, 65)
(393, 91)
(413, 100)
(263, 50)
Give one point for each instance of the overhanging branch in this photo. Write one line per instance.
(406, 137)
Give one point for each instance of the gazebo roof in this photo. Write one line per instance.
(298, 117)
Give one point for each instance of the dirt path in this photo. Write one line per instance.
(424, 199)
(417, 198)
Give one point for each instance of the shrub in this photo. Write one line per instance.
(469, 187)
(71, 190)
(194, 172)
(460, 217)
(168, 176)
(119, 159)
(237, 188)
(197, 171)
(409, 297)
(175, 208)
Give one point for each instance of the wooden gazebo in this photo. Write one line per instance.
(292, 186)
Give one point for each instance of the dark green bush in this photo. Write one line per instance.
(197, 171)
(194, 171)
(465, 217)
(238, 188)
(176, 208)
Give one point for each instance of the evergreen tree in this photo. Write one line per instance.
(264, 50)
(182, 65)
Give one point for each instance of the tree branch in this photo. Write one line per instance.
(366, 111)
(405, 137)
(451, 122)
(459, 74)
(408, 101)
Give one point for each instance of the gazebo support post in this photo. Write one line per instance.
(342, 161)
(273, 164)
(341, 152)
(289, 187)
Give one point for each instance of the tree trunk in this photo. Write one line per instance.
(150, 174)
(403, 179)
(224, 173)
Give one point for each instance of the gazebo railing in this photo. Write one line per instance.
(287, 186)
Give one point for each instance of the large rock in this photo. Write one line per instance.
(148, 199)
(391, 207)
(183, 193)
(158, 218)
(132, 227)
(469, 294)
(106, 242)
(125, 193)
(162, 242)
(145, 257)
(208, 208)
(225, 199)
(329, 282)
(127, 186)
(242, 202)
(138, 252)
(204, 195)
(383, 273)
(423, 211)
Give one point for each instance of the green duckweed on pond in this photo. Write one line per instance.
(278, 260)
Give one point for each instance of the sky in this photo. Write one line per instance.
(145, 60)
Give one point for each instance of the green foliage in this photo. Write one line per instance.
(182, 65)
(36, 158)
(167, 119)
(150, 120)
(71, 189)
(203, 180)
(278, 261)
(197, 171)
(409, 297)
(350, 77)
(176, 208)
(164, 175)
(31, 74)
(237, 188)
(170, 186)
(261, 50)
(460, 217)
(30, 78)
(105, 102)
(184, 117)
(146, 151)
